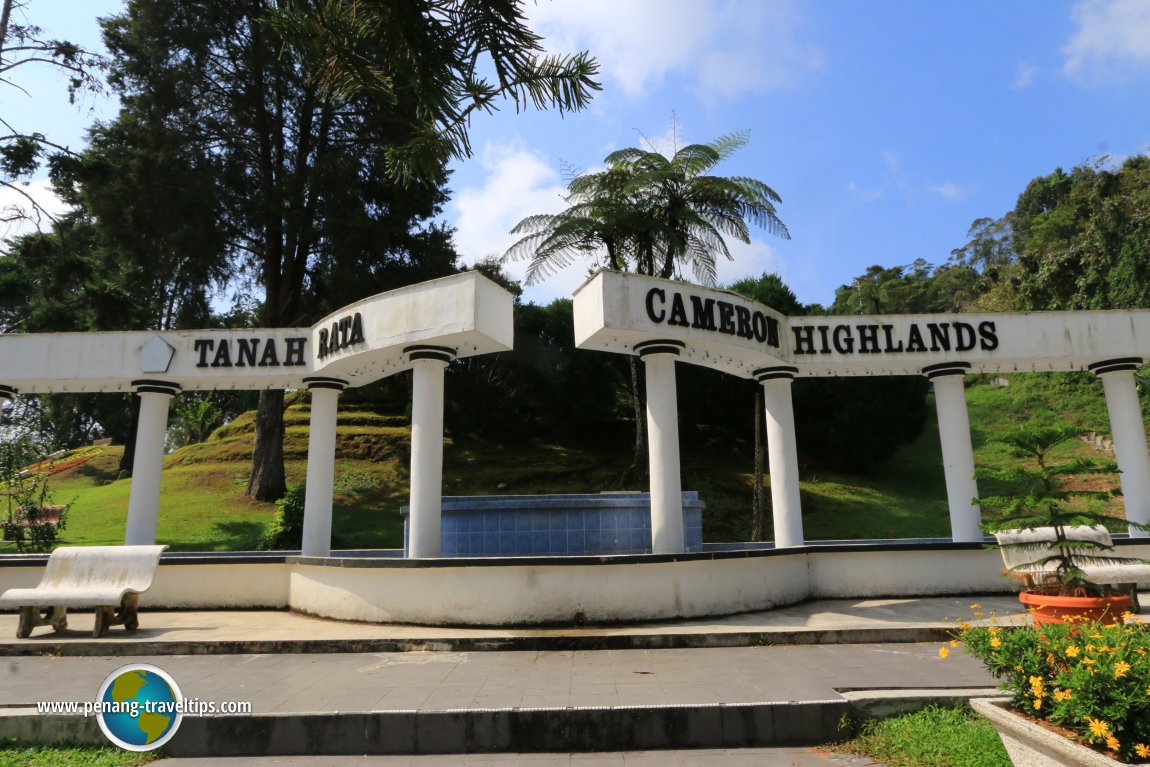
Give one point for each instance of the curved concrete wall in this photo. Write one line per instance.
(548, 593)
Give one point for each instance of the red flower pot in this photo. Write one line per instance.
(1051, 608)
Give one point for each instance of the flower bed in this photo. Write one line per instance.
(1089, 678)
(74, 458)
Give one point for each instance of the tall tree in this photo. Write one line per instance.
(653, 214)
(296, 118)
(435, 53)
(243, 172)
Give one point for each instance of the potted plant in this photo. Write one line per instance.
(1079, 691)
(1053, 535)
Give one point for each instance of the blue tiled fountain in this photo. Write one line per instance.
(555, 525)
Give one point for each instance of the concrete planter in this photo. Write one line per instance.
(1030, 745)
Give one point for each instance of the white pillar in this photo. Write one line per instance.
(782, 454)
(320, 465)
(667, 536)
(425, 505)
(1129, 437)
(957, 452)
(148, 460)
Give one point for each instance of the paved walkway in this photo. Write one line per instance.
(687, 666)
(820, 621)
(445, 681)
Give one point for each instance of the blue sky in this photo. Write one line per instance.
(886, 127)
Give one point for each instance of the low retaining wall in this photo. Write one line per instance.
(382, 587)
(545, 590)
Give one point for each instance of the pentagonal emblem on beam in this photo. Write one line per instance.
(156, 355)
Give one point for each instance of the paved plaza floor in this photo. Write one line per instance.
(286, 665)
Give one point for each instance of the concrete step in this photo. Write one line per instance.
(771, 724)
(79, 643)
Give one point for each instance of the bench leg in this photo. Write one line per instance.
(105, 616)
(128, 614)
(27, 622)
(58, 617)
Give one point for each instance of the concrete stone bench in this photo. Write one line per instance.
(1040, 543)
(107, 578)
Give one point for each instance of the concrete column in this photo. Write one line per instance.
(320, 464)
(957, 452)
(782, 454)
(148, 460)
(427, 366)
(1129, 437)
(667, 535)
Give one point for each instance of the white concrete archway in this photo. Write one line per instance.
(420, 327)
(635, 314)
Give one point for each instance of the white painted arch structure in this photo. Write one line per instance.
(663, 321)
(422, 328)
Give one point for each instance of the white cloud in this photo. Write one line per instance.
(750, 261)
(729, 47)
(892, 159)
(519, 183)
(949, 191)
(865, 194)
(13, 204)
(1109, 37)
(1023, 75)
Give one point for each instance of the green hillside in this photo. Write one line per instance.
(203, 506)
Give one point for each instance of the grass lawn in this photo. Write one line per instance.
(14, 755)
(933, 737)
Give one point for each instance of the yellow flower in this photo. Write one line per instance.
(975, 606)
(1142, 750)
(1098, 728)
(1112, 743)
(995, 642)
(979, 615)
(1061, 695)
(1120, 669)
(1072, 651)
(954, 643)
(1037, 703)
(943, 652)
(1019, 669)
(1088, 661)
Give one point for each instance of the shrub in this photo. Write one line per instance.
(1093, 680)
(287, 529)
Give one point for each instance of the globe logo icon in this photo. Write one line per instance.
(139, 707)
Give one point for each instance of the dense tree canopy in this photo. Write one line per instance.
(436, 55)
